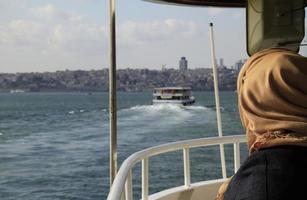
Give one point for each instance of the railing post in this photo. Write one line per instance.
(223, 161)
(236, 153)
(128, 186)
(145, 179)
(186, 165)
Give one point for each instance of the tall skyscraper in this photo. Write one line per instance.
(221, 63)
(183, 64)
(238, 65)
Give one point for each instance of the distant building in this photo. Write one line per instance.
(238, 65)
(219, 63)
(221, 66)
(183, 64)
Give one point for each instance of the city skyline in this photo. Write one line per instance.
(51, 35)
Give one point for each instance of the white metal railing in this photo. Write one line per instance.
(122, 185)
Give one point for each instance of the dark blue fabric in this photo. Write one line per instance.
(278, 173)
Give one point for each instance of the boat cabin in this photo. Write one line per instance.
(173, 95)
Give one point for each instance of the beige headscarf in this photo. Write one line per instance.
(272, 88)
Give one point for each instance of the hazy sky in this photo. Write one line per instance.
(50, 35)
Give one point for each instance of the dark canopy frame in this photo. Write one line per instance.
(217, 3)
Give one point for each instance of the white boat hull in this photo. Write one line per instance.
(177, 102)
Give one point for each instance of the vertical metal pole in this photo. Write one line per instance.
(112, 94)
(217, 100)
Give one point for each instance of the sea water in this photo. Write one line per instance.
(55, 145)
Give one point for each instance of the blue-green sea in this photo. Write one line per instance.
(55, 145)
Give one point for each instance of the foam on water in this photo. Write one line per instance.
(163, 114)
(197, 108)
(155, 112)
(71, 112)
(156, 108)
(1, 134)
(164, 107)
(213, 107)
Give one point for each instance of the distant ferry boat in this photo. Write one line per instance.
(173, 95)
(17, 91)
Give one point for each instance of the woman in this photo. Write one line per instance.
(272, 89)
